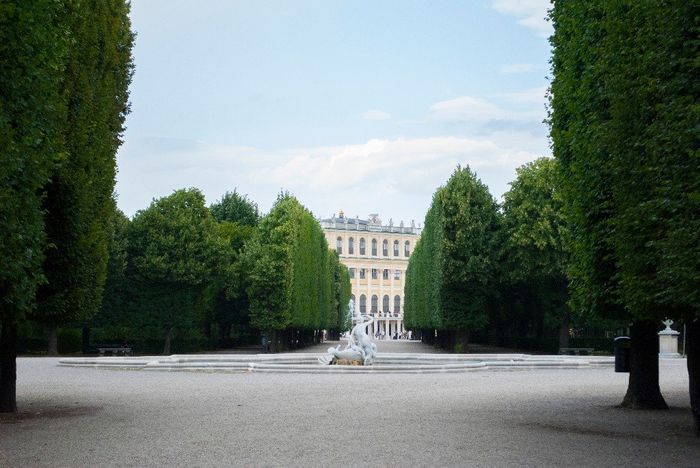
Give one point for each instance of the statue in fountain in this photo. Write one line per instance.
(360, 349)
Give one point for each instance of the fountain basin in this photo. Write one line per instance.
(386, 363)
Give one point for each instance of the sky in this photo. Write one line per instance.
(364, 106)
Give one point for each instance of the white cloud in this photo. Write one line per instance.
(395, 177)
(516, 68)
(531, 13)
(472, 109)
(376, 114)
(529, 96)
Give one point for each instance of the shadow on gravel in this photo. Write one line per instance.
(674, 422)
(52, 412)
(570, 429)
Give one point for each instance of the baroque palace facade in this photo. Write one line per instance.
(377, 257)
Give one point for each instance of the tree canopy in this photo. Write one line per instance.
(294, 280)
(624, 130)
(450, 284)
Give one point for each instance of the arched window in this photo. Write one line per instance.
(385, 248)
(363, 304)
(396, 248)
(375, 304)
(407, 249)
(351, 246)
(385, 304)
(362, 245)
(397, 304)
(374, 247)
(339, 245)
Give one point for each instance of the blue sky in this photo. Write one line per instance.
(365, 106)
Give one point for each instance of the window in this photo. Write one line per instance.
(385, 304)
(374, 273)
(407, 249)
(385, 273)
(362, 273)
(397, 304)
(351, 246)
(339, 245)
(375, 304)
(397, 274)
(363, 304)
(362, 245)
(352, 273)
(374, 247)
(385, 248)
(396, 248)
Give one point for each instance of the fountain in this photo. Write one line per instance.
(360, 351)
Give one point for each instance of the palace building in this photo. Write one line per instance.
(377, 257)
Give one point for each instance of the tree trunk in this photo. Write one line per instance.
(564, 330)
(461, 342)
(168, 341)
(53, 341)
(86, 339)
(643, 390)
(8, 367)
(692, 349)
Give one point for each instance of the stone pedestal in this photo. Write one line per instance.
(668, 341)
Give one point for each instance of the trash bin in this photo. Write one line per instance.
(622, 353)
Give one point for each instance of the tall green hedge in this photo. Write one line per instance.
(450, 278)
(295, 281)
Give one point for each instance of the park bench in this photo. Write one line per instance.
(114, 350)
(576, 351)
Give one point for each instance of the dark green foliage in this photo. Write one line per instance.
(79, 200)
(295, 281)
(114, 307)
(173, 250)
(451, 274)
(624, 128)
(64, 76)
(225, 300)
(236, 208)
(534, 255)
(32, 49)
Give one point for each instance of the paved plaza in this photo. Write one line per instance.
(534, 417)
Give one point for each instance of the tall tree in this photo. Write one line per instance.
(292, 282)
(78, 205)
(33, 43)
(173, 249)
(114, 307)
(236, 208)
(534, 250)
(624, 128)
(237, 217)
(450, 284)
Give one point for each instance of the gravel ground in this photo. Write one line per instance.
(543, 417)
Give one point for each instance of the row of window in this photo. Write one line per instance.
(375, 273)
(385, 247)
(374, 304)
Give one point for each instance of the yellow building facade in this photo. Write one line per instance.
(377, 256)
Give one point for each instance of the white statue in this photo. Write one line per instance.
(668, 324)
(351, 307)
(359, 348)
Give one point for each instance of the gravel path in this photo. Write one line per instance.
(555, 417)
